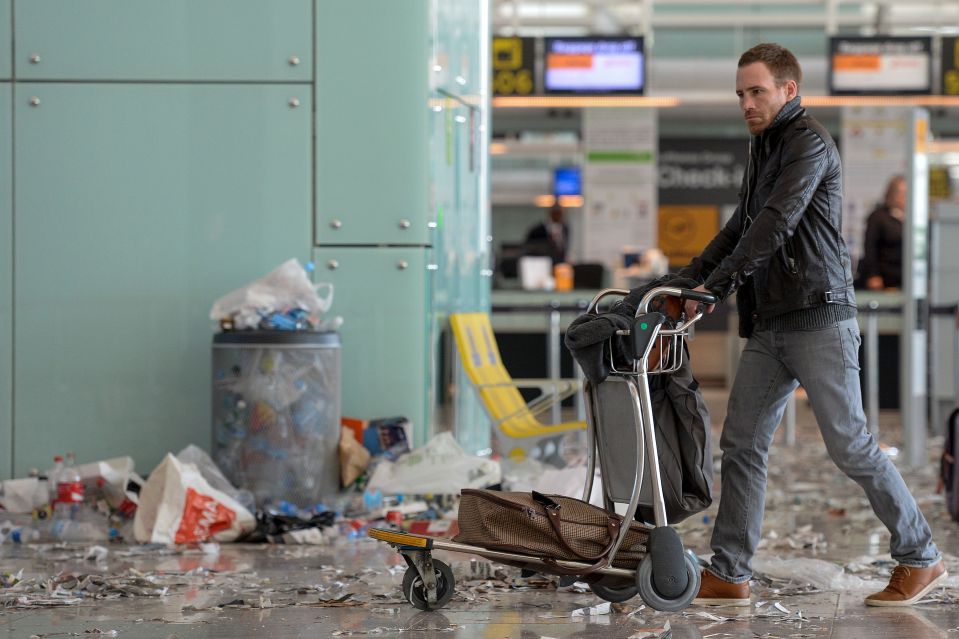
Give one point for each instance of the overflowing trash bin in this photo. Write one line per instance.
(276, 413)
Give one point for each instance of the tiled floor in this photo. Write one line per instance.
(817, 521)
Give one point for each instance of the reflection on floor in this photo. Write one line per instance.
(823, 550)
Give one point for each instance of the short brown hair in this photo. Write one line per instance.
(778, 59)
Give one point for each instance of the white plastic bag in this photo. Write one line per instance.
(112, 471)
(21, 496)
(178, 506)
(195, 455)
(440, 467)
(286, 287)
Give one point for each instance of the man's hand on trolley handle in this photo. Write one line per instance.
(692, 306)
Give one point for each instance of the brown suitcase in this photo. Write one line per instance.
(551, 527)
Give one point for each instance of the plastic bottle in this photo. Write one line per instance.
(373, 500)
(70, 490)
(53, 478)
(72, 520)
(68, 500)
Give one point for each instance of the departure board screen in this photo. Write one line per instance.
(880, 66)
(600, 65)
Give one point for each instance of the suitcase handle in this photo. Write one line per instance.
(553, 514)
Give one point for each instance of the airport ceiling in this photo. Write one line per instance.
(642, 17)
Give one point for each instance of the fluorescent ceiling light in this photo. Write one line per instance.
(952, 30)
(544, 10)
(545, 101)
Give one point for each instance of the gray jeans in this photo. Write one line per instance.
(826, 363)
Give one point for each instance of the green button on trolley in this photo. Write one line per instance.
(644, 326)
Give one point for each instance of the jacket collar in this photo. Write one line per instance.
(790, 111)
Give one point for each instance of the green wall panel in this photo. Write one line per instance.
(137, 206)
(372, 93)
(384, 332)
(6, 64)
(6, 283)
(168, 40)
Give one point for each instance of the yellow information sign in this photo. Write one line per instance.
(514, 66)
(685, 230)
(939, 183)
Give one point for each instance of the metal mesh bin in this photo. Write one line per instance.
(276, 413)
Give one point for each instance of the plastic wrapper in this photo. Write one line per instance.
(819, 573)
(440, 467)
(285, 523)
(285, 288)
(530, 474)
(111, 479)
(276, 421)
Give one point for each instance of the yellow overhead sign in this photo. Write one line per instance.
(514, 66)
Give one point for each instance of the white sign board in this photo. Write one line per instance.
(875, 144)
(619, 183)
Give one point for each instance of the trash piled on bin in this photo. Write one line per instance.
(284, 300)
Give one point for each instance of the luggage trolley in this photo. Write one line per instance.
(668, 577)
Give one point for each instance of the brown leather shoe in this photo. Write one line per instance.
(908, 584)
(713, 591)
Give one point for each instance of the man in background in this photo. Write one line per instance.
(550, 237)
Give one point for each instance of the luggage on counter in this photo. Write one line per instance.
(553, 526)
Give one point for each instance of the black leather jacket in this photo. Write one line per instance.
(783, 248)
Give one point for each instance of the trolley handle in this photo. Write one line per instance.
(682, 293)
(594, 303)
(698, 296)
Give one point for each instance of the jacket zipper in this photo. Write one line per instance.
(791, 263)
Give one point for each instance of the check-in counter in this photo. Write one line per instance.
(508, 318)
(888, 310)
(880, 323)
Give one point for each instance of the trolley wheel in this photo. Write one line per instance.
(415, 591)
(644, 582)
(622, 591)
